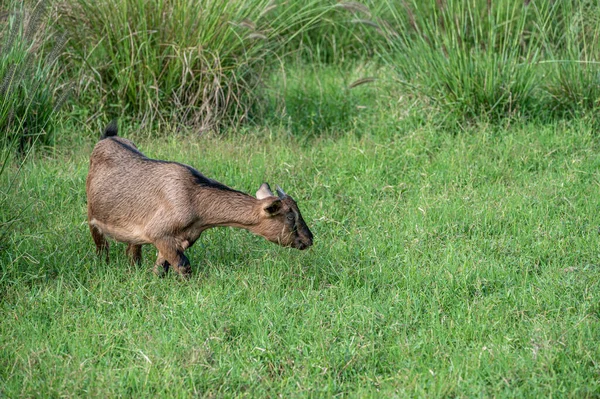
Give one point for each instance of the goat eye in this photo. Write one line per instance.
(290, 217)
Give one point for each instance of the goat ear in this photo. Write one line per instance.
(264, 191)
(273, 207)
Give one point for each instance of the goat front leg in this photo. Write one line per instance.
(170, 256)
(134, 252)
(161, 267)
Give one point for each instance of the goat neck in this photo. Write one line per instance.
(218, 207)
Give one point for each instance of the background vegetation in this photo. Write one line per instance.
(444, 153)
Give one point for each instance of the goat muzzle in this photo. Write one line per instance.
(303, 244)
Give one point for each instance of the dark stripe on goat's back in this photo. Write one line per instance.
(127, 147)
(205, 181)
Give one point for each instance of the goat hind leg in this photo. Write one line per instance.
(100, 241)
(134, 252)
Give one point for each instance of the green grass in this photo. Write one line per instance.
(450, 259)
(443, 266)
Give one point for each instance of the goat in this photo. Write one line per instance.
(138, 200)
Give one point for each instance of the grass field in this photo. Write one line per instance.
(443, 266)
(445, 154)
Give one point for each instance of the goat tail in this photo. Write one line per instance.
(110, 130)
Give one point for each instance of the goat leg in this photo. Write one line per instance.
(134, 252)
(168, 252)
(183, 267)
(161, 267)
(100, 241)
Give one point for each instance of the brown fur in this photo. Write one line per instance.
(138, 200)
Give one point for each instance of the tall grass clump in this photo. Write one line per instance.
(30, 95)
(573, 64)
(29, 75)
(198, 62)
(338, 36)
(473, 58)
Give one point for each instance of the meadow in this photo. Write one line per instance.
(453, 190)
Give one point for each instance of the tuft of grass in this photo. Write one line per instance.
(471, 58)
(199, 63)
(30, 96)
(572, 66)
(30, 89)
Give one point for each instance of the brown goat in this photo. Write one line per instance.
(138, 200)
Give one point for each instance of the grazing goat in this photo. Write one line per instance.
(138, 200)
